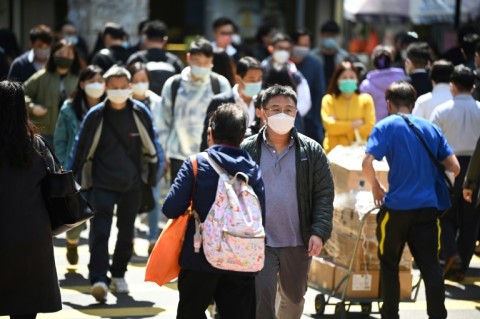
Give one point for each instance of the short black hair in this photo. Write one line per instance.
(441, 71)
(279, 36)
(220, 22)
(463, 78)
(201, 46)
(155, 30)
(401, 93)
(247, 63)
(330, 26)
(257, 99)
(419, 53)
(136, 67)
(278, 90)
(300, 32)
(228, 124)
(41, 32)
(114, 30)
(477, 47)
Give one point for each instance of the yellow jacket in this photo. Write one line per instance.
(338, 114)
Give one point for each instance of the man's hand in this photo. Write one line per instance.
(315, 245)
(467, 195)
(378, 192)
(39, 110)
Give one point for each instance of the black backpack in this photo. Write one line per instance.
(159, 71)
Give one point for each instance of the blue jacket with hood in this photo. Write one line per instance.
(233, 160)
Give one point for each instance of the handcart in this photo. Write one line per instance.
(342, 307)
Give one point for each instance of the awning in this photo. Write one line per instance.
(417, 11)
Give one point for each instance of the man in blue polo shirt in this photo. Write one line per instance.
(409, 213)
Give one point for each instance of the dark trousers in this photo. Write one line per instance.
(234, 295)
(103, 201)
(420, 230)
(32, 316)
(175, 165)
(460, 223)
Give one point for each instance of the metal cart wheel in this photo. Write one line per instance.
(320, 304)
(340, 312)
(366, 308)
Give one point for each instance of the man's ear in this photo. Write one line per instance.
(270, 49)
(188, 57)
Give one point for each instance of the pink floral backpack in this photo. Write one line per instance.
(232, 235)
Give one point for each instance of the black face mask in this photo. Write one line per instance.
(62, 62)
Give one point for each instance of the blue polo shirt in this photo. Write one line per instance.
(414, 180)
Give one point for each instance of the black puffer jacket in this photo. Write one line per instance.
(315, 190)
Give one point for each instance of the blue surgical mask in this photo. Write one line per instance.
(200, 71)
(252, 88)
(73, 39)
(329, 43)
(347, 86)
(126, 44)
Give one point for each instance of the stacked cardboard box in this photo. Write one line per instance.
(346, 165)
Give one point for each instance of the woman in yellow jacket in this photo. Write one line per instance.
(345, 109)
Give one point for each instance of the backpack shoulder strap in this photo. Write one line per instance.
(215, 82)
(212, 163)
(174, 90)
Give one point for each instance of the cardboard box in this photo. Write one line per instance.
(346, 166)
(361, 284)
(321, 275)
(406, 281)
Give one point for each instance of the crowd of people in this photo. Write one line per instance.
(122, 117)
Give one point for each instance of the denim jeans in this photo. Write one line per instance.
(103, 201)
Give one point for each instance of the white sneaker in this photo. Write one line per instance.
(119, 285)
(99, 291)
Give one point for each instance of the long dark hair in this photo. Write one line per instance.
(74, 68)
(79, 96)
(16, 130)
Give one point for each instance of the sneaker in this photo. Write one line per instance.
(72, 253)
(99, 291)
(119, 285)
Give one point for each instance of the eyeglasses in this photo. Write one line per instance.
(289, 110)
(226, 33)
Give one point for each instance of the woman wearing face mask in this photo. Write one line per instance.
(140, 92)
(347, 114)
(47, 89)
(90, 91)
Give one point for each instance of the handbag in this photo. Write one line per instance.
(147, 199)
(162, 265)
(443, 186)
(66, 206)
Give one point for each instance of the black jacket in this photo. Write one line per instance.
(421, 82)
(315, 190)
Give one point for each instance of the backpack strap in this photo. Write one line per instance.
(220, 170)
(215, 82)
(174, 90)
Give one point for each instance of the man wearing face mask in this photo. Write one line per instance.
(249, 83)
(27, 64)
(299, 204)
(115, 150)
(185, 99)
(116, 50)
(312, 70)
(280, 47)
(329, 52)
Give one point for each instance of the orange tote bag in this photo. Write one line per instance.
(162, 266)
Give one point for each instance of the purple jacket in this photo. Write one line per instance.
(375, 84)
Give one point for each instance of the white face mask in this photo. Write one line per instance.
(118, 96)
(140, 88)
(281, 123)
(281, 56)
(94, 89)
